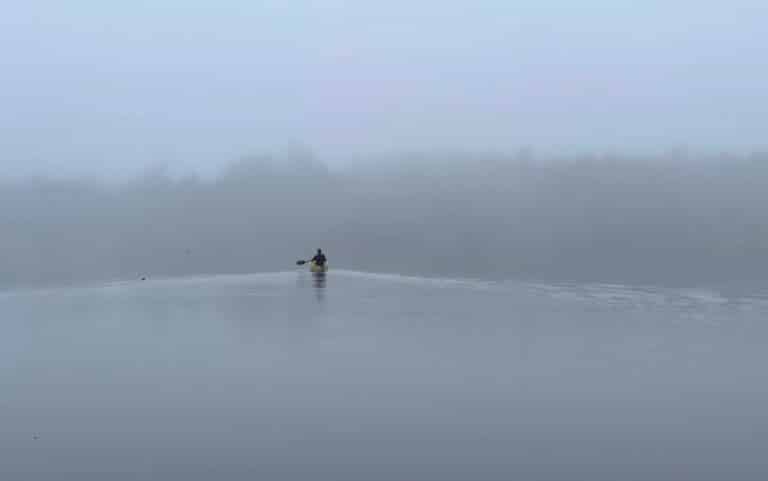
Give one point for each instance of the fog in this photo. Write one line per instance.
(556, 140)
(665, 220)
(93, 88)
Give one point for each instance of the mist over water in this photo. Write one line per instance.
(591, 307)
(652, 220)
(107, 90)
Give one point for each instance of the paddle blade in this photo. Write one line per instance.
(300, 263)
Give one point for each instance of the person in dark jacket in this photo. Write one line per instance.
(319, 258)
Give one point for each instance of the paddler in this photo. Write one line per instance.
(319, 258)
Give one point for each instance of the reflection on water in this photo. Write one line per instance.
(318, 282)
(318, 279)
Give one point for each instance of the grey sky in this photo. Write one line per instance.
(113, 86)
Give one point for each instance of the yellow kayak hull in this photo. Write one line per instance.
(313, 267)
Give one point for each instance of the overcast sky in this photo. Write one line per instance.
(110, 87)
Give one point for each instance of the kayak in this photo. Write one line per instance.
(316, 268)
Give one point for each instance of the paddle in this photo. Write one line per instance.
(300, 263)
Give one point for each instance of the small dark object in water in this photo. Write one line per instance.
(143, 278)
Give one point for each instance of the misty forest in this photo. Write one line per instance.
(668, 219)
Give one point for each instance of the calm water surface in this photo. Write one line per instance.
(373, 377)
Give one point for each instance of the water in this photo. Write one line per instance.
(373, 377)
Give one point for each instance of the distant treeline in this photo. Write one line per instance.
(673, 220)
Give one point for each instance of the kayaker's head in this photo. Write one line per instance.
(319, 251)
